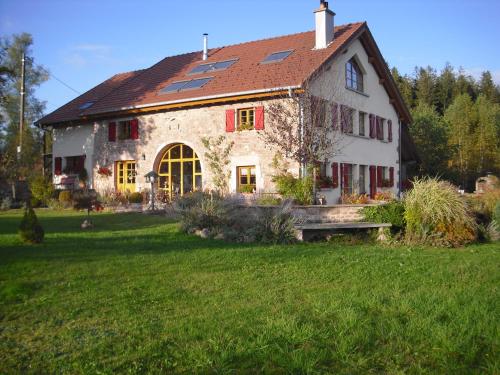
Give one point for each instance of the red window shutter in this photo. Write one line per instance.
(112, 131)
(230, 120)
(335, 116)
(343, 119)
(259, 118)
(378, 122)
(335, 175)
(57, 166)
(391, 175)
(373, 181)
(372, 126)
(134, 129)
(389, 129)
(380, 176)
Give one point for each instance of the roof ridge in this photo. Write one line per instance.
(278, 36)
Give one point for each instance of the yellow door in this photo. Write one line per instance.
(125, 176)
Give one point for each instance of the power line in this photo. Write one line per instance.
(65, 84)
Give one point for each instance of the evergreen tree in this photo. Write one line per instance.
(429, 134)
(486, 150)
(444, 88)
(405, 86)
(425, 85)
(488, 88)
(465, 84)
(13, 168)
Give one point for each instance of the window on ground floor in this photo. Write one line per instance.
(246, 179)
(362, 179)
(347, 178)
(73, 164)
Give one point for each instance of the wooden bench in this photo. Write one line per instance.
(308, 231)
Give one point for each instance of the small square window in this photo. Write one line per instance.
(246, 119)
(124, 130)
(246, 179)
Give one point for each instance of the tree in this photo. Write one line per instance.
(217, 153)
(305, 127)
(425, 82)
(444, 88)
(465, 84)
(488, 88)
(486, 150)
(405, 86)
(13, 168)
(460, 118)
(429, 133)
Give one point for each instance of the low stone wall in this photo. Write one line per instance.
(338, 213)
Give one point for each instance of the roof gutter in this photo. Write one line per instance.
(197, 99)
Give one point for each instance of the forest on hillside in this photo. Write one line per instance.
(456, 122)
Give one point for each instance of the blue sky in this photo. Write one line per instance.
(85, 42)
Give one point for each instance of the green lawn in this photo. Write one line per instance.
(135, 296)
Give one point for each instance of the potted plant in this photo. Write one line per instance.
(104, 172)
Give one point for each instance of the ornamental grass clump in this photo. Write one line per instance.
(437, 215)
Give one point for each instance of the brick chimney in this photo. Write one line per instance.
(324, 25)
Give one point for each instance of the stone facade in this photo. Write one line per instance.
(187, 126)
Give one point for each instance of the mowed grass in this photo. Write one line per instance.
(136, 296)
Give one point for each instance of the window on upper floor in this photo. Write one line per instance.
(361, 122)
(353, 75)
(246, 118)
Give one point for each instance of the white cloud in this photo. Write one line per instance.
(88, 54)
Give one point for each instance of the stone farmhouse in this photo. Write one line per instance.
(153, 119)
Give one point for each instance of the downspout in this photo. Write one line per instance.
(302, 168)
(400, 181)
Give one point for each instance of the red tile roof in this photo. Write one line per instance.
(71, 110)
(142, 88)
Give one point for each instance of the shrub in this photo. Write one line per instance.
(275, 225)
(436, 214)
(42, 189)
(6, 204)
(493, 229)
(483, 205)
(65, 197)
(298, 189)
(354, 199)
(83, 175)
(30, 229)
(393, 212)
(383, 196)
(268, 200)
(135, 198)
(201, 210)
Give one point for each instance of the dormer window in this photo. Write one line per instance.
(353, 76)
(87, 105)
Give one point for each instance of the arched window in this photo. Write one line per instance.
(353, 75)
(179, 170)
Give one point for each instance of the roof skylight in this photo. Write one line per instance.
(87, 105)
(185, 85)
(210, 67)
(276, 56)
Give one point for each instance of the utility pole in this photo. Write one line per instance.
(21, 114)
